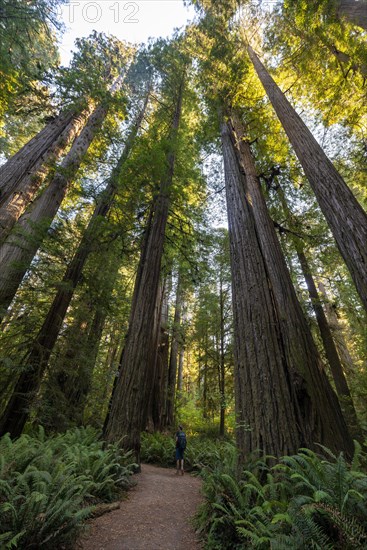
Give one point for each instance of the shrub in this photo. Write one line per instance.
(304, 501)
(48, 486)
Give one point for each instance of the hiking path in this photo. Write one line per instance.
(156, 515)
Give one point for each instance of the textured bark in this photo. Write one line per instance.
(354, 11)
(181, 357)
(129, 408)
(70, 378)
(173, 360)
(337, 332)
(32, 155)
(331, 352)
(345, 216)
(14, 205)
(283, 398)
(77, 383)
(18, 251)
(222, 372)
(17, 411)
(158, 396)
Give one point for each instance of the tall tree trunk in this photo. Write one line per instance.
(332, 356)
(222, 372)
(345, 216)
(331, 352)
(70, 378)
(17, 411)
(173, 361)
(181, 357)
(18, 251)
(32, 155)
(354, 11)
(53, 412)
(158, 401)
(283, 398)
(14, 205)
(78, 383)
(129, 408)
(337, 332)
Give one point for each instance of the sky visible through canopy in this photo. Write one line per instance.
(134, 21)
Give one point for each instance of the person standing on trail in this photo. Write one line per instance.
(180, 449)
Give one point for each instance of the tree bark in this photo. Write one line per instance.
(354, 11)
(158, 395)
(181, 357)
(331, 352)
(130, 402)
(27, 186)
(222, 371)
(18, 251)
(337, 332)
(173, 361)
(283, 398)
(32, 155)
(345, 216)
(17, 411)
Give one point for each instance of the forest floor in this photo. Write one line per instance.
(156, 515)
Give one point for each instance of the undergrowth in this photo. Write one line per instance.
(49, 486)
(304, 501)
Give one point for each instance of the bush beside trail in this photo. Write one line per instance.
(50, 486)
(303, 501)
(297, 502)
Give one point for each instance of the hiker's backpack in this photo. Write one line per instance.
(181, 440)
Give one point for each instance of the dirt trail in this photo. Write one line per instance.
(156, 515)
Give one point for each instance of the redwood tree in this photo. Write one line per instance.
(130, 402)
(345, 216)
(18, 408)
(283, 398)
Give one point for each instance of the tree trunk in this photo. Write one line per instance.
(332, 356)
(345, 216)
(70, 377)
(222, 372)
(173, 361)
(18, 251)
(181, 357)
(331, 353)
(32, 155)
(354, 11)
(54, 412)
(129, 408)
(14, 205)
(158, 401)
(79, 382)
(17, 411)
(337, 332)
(283, 399)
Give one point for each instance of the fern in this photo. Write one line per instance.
(47, 485)
(304, 501)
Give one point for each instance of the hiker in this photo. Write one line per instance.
(180, 449)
